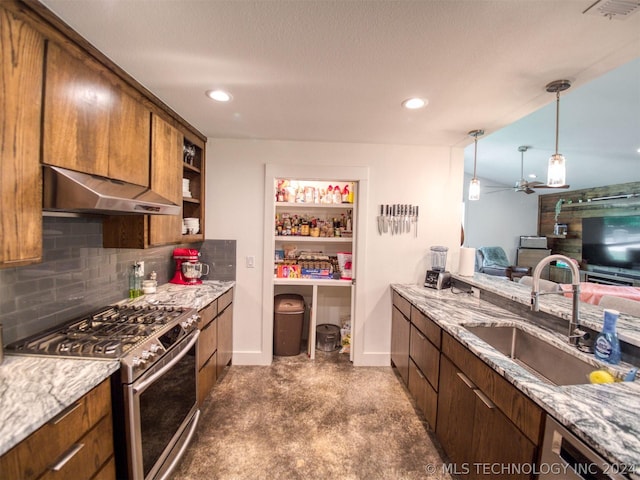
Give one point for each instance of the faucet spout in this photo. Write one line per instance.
(574, 325)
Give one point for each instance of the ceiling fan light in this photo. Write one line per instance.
(474, 189)
(557, 172)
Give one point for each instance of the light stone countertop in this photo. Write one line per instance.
(34, 389)
(605, 417)
(628, 326)
(193, 296)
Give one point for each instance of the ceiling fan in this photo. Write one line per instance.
(523, 185)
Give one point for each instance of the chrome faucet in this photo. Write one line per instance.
(575, 333)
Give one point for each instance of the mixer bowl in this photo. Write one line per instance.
(193, 270)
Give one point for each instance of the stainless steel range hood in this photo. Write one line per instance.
(68, 191)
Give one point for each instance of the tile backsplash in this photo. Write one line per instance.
(78, 276)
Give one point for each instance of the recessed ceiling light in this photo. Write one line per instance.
(414, 103)
(219, 95)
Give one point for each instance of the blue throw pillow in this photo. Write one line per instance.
(494, 257)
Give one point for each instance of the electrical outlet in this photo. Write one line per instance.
(141, 268)
(475, 292)
(251, 261)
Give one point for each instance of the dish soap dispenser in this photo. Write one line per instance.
(607, 345)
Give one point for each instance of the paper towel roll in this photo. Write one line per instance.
(467, 263)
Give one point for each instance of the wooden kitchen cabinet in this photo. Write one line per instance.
(207, 346)
(77, 443)
(144, 231)
(166, 180)
(424, 364)
(21, 67)
(400, 333)
(90, 123)
(482, 419)
(225, 331)
(215, 342)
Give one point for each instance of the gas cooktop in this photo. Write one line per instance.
(109, 333)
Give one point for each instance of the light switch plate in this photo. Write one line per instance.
(251, 261)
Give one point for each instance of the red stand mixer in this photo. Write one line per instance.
(188, 268)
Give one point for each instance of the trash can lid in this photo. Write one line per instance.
(288, 303)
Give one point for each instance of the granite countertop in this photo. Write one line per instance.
(193, 296)
(34, 389)
(558, 305)
(604, 416)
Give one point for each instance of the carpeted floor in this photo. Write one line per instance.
(302, 419)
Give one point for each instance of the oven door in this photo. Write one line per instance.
(162, 412)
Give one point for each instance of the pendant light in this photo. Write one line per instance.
(474, 185)
(557, 173)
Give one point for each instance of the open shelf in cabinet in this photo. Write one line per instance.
(193, 186)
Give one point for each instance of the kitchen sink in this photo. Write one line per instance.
(546, 361)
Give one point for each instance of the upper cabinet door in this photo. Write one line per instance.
(90, 124)
(21, 63)
(166, 179)
(129, 140)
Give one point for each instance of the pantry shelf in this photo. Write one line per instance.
(298, 238)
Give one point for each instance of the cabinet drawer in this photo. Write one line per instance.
(207, 314)
(84, 457)
(225, 300)
(208, 342)
(521, 410)
(207, 378)
(425, 355)
(108, 471)
(426, 326)
(425, 396)
(30, 458)
(402, 304)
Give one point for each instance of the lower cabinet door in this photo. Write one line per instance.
(426, 397)
(455, 417)
(500, 449)
(207, 377)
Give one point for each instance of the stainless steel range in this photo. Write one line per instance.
(155, 407)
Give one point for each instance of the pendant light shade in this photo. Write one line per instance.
(557, 172)
(474, 185)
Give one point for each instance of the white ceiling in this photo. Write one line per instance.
(337, 70)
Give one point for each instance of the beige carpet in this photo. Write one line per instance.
(302, 419)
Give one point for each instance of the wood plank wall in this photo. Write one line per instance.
(576, 205)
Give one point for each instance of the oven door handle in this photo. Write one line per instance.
(148, 381)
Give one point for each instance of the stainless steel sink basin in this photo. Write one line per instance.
(544, 360)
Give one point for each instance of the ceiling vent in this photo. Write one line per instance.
(618, 9)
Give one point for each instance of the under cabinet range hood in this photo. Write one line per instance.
(69, 191)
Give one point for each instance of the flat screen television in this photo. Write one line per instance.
(612, 241)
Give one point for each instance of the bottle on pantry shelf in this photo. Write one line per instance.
(345, 194)
(607, 345)
(337, 194)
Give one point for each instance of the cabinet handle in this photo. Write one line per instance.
(466, 381)
(422, 337)
(485, 399)
(61, 416)
(67, 456)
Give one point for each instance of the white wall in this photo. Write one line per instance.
(430, 177)
(499, 218)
